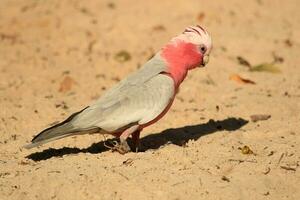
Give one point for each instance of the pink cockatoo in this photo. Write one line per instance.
(142, 98)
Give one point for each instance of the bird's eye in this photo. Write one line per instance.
(203, 48)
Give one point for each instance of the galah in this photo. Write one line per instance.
(142, 98)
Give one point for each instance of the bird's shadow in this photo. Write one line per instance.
(177, 136)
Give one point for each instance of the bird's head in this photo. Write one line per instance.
(188, 50)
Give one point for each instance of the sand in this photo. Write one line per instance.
(58, 56)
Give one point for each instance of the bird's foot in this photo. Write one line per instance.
(122, 147)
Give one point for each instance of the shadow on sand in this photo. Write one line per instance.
(178, 136)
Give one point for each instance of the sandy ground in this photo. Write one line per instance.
(58, 56)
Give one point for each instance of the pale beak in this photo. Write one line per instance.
(205, 60)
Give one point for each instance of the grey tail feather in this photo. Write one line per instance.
(58, 131)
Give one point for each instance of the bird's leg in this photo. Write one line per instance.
(136, 140)
(123, 146)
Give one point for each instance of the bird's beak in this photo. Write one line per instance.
(205, 60)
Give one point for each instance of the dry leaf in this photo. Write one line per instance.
(224, 178)
(243, 61)
(255, 118)
(265, 67)
(111, 5)
(239, 79)
(288, 42)
(66, 84)
(159, 28)
(200, 17)
(128, 162)
(24, 162)
(122, 56)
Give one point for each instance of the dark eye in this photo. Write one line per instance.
(203, 48)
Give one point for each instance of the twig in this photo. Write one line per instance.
(288, 168)
(241, 161)
(224, 178)
(280, 159)
(177, 183)
(123, 176)
(54, 172)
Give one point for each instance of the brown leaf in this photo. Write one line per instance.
(122, 56)
(224, 178)
(200, 17)
(255, 118)
(66, 84)
(111, 5)
(239, 79)
(159, 28)
(127, 162)
(288, 42)
(243, 61)
(23, 162)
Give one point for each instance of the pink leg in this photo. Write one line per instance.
(123, 147)
(136, 139)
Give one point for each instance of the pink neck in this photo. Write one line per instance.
(180, 57)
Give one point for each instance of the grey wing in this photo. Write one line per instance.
(136, 100)
(137, 104)
(150, 69)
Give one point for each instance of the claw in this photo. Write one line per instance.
(115, 143)
(121, 147)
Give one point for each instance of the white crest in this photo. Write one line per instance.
(196, 35)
